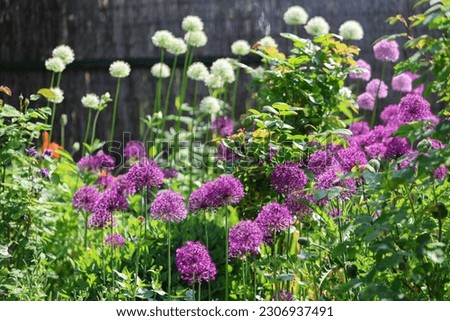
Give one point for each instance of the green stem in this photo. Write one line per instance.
(86, 134)
(113, 265)
(169, 263)
(234, 94)
(191, 140)
(58, 81)
(114, 114)
(86, 218)
(374, 111)
(168, 94)
(63, 135)
(244, 281)
(200, 291)
(94, 125)
(226, 254)
(157, 101)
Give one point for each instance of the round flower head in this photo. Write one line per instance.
(223, 68)
(413, 107)
(366, 71)
(214, 81)
(319, 161)
(115, 240)
(134, 149)
(65, 53)
(192, 23)
(418, 89)
(168, 206)
(376, 150)
(330, 179)
(227, 190)
(245, 239)
(366, 101)
(59, 96)
(397, 147)
(144, 174)
(287, 178)
(196, 39)
(85, 198)
(197, 71)
(210, 105)
(268, 41)
(100, 161)
(44, 173)
(273, 218)
(170, 173)
(90, 101)
(440, 172)
(297, 204)
(350, 157)
(106, 181)
(194, 263)
(160, 70)
(100, 219)
(119, 69)
(295, 15)
(377, 88)
(402, 83)
(240, 48)
(359, 128)
(162, 39)
(351, 30)
(317, 26)
(222, 126)
(199, 199)
(177, 46)
(386, 50)
(389, 113)
(55, 64)
(109, 201)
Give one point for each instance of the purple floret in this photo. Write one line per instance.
(194, 263)
(245, 239)
(287, 178)
(168, 206)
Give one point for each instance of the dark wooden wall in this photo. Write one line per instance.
(105, 30)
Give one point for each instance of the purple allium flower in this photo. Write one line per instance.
(199, 199)
(402, 83)
(84, 163)
(115, 240)
(389, 113)
(359, 128)
(397, 147)
(330, 178)
(273, 217)
(100, 219)
(283, 295)
(226, 154)
(335, 213)
(366, 101)
(109, 201)
(222, 126)
(245, 239)
(377, 88)
(168, 206)
(96, 162)
(297, 204)
(85, 198)
(363, 75)
(227, 190)
(350, 157)
(413, 107)
(194, 263)
(386, 50)
(144, 173)
(47, 152)
(376, 150)
(379, 134)
(319, 161)
(287, 178)
(106, 181)
(416, 89)
(440, 172)
(134, 150)
(44, 173)
(170, 173)
(31, 151)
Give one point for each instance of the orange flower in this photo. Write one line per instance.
(51, 146)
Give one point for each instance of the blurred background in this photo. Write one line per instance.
(101, 31)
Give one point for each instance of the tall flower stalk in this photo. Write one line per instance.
(239, 48)
(118, 69)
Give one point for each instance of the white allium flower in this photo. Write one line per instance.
(119, 69)
(160, 70)
(197, 71)
(223, 68)
(295, 15)
(59, 96)
(162, 38)
(196, 38)
(351, 30)
(210, 105)
(268, 41)
(65, 53)
(177, 46)
(90, 101)
(214, 81)
(345, 92)
(55, 64)
(317, 26)
(192, 23)
(240, 48)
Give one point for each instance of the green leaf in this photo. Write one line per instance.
(46, 93)
(4, 254)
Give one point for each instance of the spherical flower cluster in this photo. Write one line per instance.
(359, 128)
(115, 240)
(268, 41)
(416, 90)
(389, 113)
(317, 26)
(223, 68)
(376, 150)
(85, 198)
(162, 39)
(196, 39)
(222, 126)
(177, 46)
(366, 101)
(194, 263)
(170, 173)
(96, 162)
(440, 172)
(134, 150)
(59, 96)
(55, 64)
(144, 174)
(366, 72)
(160, 70)
(109, 201)
(168, 206)
(245, 239)
(330, 179)
(240, 48)
(295, 15)
(402, 83)
(350, 157)
(210, 105)
(319, 161)
(377, 88)
(106, 181)
(273, 217)
(90, 101)
(100, 219)
(214, 81)
(192, 23)
(297, 203)
(386, 50)
(398, 147)
(413, 107)
(65, 53)
(351, 30)
(197, 71)
(287, 178)
(119, 69)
